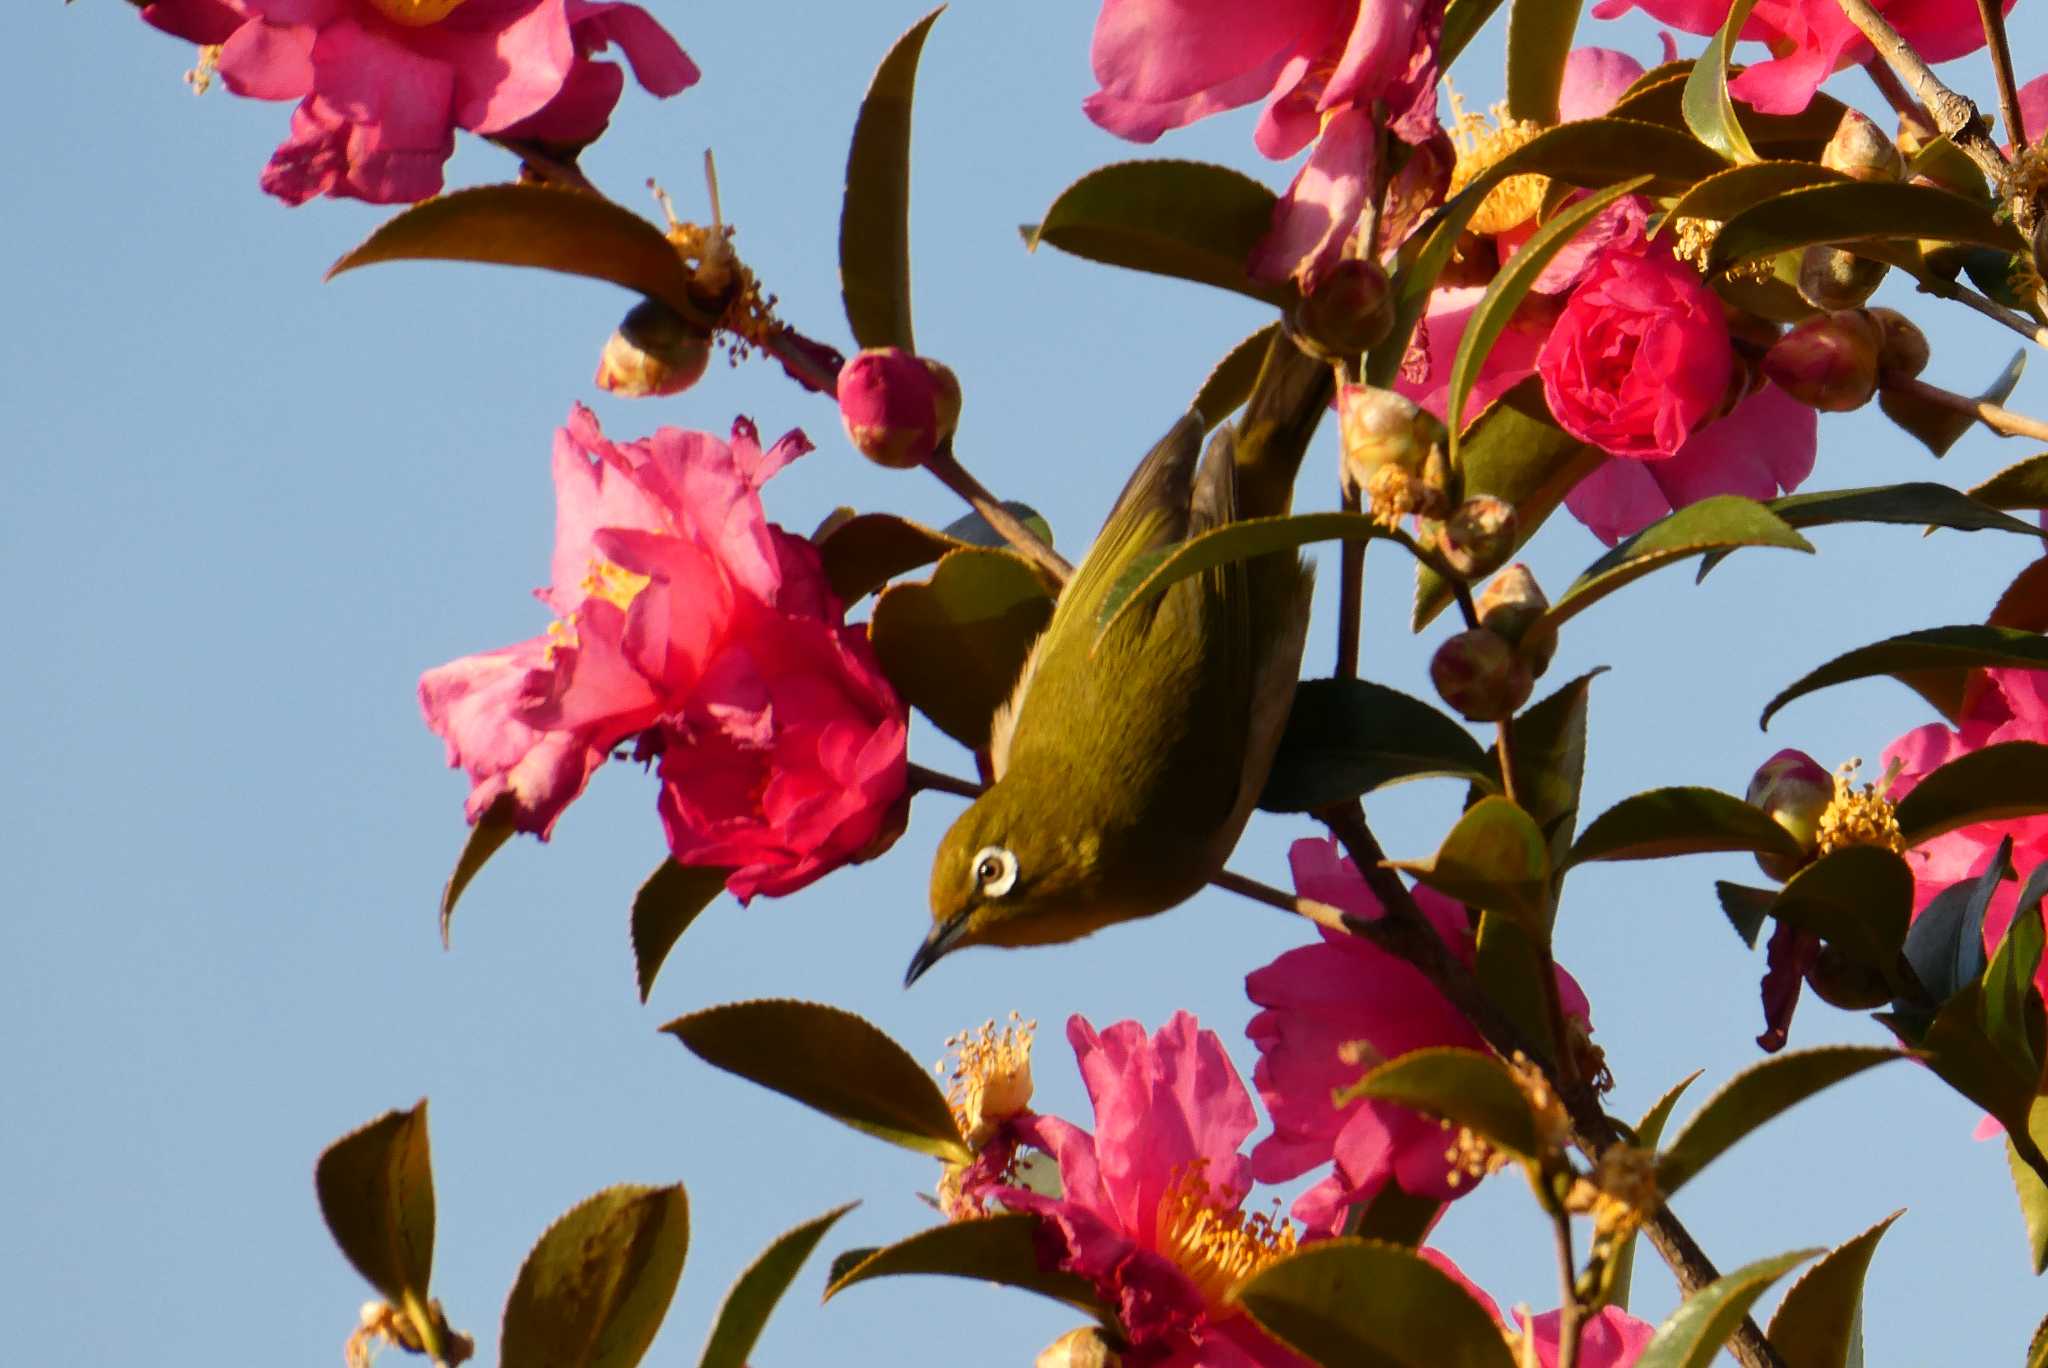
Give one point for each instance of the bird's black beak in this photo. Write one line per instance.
(944, 937)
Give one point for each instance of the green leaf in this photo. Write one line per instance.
(1756, 1095)
(2009, 779)
(874, 217)
(1509, 286)
(2027, 1184)
(1351, 1303)
(1746, 908)
(1727, 193)
(486, 838)
(1695, 1332)
(1152, 575)
(1539, 40)
(1550, 761)
(664, 908)
(1945, 946)
(1709, 112)
(1859, 899)
(747, 1306)
(972, 529)
(831, 1061)
(1185, 219)
(1816, 1325)
(1231, 382)
(2024, 485)
(1510, 968)
(1494, 858)
(1680, 821)
(1515, 451)
(1347, 737)
(1959, 649)
(376, 1190)
(1957, 1049)
(531, 225)
(1648, 1132)
(1723, 522)
(1939, 426)
(996, 1249)
(1921, 503)
(2012, 1006)
(1947, 165)
(1658, 97)
(867, 551)
(593, 1291)
(1857, 211)
(1462, 21)
(2037, 1347)
(953, 645)
(1394, 1216)
(1474, 1090)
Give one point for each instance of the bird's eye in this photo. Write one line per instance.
(995, 871)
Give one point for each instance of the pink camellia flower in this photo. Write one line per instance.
(383, 84)
(2003, 705)
(690, 625)
(1149, 1209)
(1810, 40)
(1319, 1002)
(1321, 67)
(1610, 1338)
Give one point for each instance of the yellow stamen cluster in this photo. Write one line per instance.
(614, 584)
(990, 1080)
(1692, 241)
(1621, 1192)
(1860, 816)
(200, 77)
(1480, 144)
(1470, 1157)
(416, 13)
(719, 280)
(1219, 1250)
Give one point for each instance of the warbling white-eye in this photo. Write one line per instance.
(1127, 763)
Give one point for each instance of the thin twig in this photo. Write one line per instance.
(547, 168)
(2002, 421)
(1910, 111)
(2001, 68)
(921, 778)
(1460, 590)
(1322, 914)
(1991, 309)
(1026, 542)
(1504, 748)
(1953, 112)
(1568, 1299)
(1350, 592)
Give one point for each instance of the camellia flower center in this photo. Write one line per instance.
(1482, 143)
(416, 13)
(614, 584)
(991, 1080)
(1860, 816)
(1218, 1250)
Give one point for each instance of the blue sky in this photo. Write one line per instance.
(246, 509)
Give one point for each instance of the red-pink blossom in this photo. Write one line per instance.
(1810, 40)
(2002, 705)
(690, 625)
(383, 84)
(1323, 68)
(1323, 998)
(1609, 1338)
(1149, 1207)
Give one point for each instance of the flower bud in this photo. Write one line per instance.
(655, 351)
(1087, 1347)
(1509, 606)
(1831, 278)
(1842, 982)
(1828, 362)
(1903, 352)
(1861, 151)
(1481, 675)
(1478, 536)
(1382, 428)
(897, 408)
(1793, 790)
(1348, 312)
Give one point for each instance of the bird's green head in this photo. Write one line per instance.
(1008, 874)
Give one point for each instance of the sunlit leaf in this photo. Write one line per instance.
(1658, 97)
(1550, 761)
(1815, 1326)
(1709, 112)
(2012, 1005)
(1347, 737)
(1231, 382)
(1350, 1303)
(1723, 522)
(831, 1061)
(1471, 1089)
(1680, 821)
(953, 645)
(1153, 575)
(593, 1291)
(376, 1190)
(2009, 779)
(874, 216)
(1970, 646)
(1693, 1335)
(1727, 193)
(664, 908)
(997, 1249)
(747, 1306)
(1494, 858)
(2024, 485)
(2028, 1186)
(1756, 1095)
(1747, 908)
(1940, 426)
(1539, 40)
(1857, 211)
(486, 838)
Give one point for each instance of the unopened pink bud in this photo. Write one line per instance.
(1828, 362)
(1382, 428)
(655, 351)
(1793, 790)
(1481, 675)
(1861, 151)
(1903, 353)
(1349, 311)
(898, 408)
(1832, 278)
(1478, 536)
(1510, 606)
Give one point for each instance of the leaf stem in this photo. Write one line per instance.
(921, 778)
(2002, 421)
(1350, 591)
(1996, 312)
(955, 477)
(1459, 589)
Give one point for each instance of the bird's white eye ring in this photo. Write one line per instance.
(995, 871)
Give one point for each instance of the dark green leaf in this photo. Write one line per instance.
(865, 552)
(2024, 485)
(953, 645)
(1945, 946)
(1695, 1332)
(1190, 220)
(594, 1290)
(1464, 1086)
(2037, 1347)
(1347, 737)
(1680, 821)
(2012, 1005)
(1462, 21)
(1659, 99)
(831, 1061)
(997, 1249)
(664, 908)
(1648, 1132)
(1921, 503)
(1350, 1303)
(1956, 1048)
(1723, 522)
(1951, 649)
(1939, 426)
(1394, 1216)
(1858, 211)
(1510, 968)
(1550, 761)
(1709, 112)
(1539, 39)
(1727, 193)
(874, 217)
(2032, 1192)
(1815, 1326)
(2009, 779)
(1756, 1095)
(1494, 858)
(1231, 382)
(972, 529)
(1859, 899)
(745, 1310)
(1510, 286)
(1150, 576)
(530, 225)
(376, 1189)
(486, 838)
(1746, 908)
